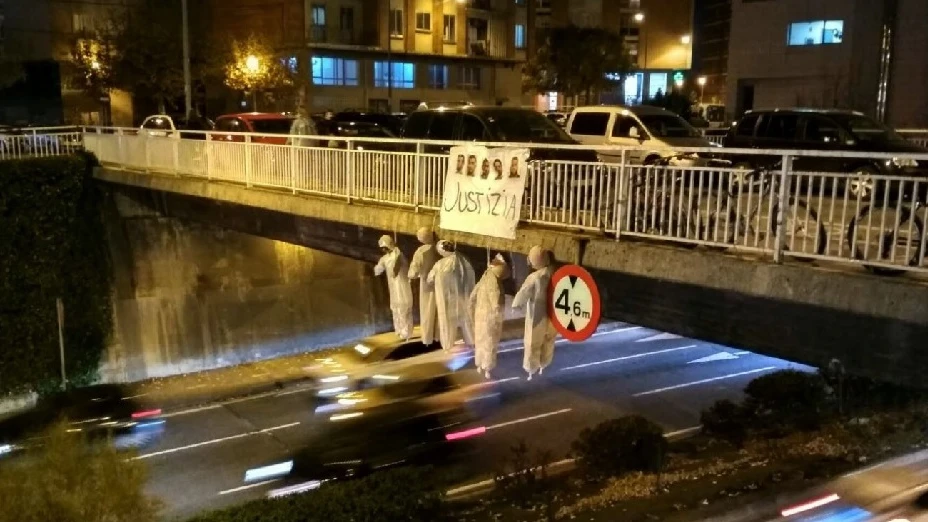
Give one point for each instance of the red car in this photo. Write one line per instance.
(258, 122)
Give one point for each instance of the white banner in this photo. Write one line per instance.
(483, 190)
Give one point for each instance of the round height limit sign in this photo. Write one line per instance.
(573, 303)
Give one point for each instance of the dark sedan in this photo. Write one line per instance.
(98, 412)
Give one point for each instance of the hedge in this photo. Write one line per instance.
(52, 244)
(400, 495)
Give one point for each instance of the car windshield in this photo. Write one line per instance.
(524, 126)
(668, 126)
(866, 129)
(272, 126)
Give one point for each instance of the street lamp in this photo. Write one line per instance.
(95, 65)
(702, 86)
(685, 39)
(643, 50)
(639, 17)
(252, 63)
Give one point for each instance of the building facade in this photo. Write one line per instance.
(711, 26)
(390, 55)
(853, 54)
(657, 33)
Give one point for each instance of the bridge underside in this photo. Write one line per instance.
(875, 326)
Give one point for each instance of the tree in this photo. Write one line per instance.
(253, 66)
(91, 65)
(576, 60)
(69, 480)
(149, 51)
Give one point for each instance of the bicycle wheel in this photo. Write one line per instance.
(804, 230)
(899, 242)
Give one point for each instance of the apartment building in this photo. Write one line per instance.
(657, 33)
(856, 54)
(712, 23)
(390, 55)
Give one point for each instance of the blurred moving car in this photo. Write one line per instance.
(380, 359)
(422, 419)
(275, 127)
(100, 412)
(652, 131)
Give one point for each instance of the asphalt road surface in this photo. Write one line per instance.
(200, 462)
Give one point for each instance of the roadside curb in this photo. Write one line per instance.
(483, 487)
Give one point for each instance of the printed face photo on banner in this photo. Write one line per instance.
(479, 196)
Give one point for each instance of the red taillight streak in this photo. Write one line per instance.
(146, 413)
(473, 432)
(812, 504)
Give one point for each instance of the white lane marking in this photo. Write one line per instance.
(720, 356)
(221, 404)
(486, 483)
(627, 357)
(215, 441)
(527, 419)
(704, 381)
(743, 352)
(561, 341)
(249, 486)
(507, 379)
(659, 337)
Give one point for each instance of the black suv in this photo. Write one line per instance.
(826, 130)
(494, 124)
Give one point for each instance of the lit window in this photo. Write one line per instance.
(396, 22)
(470, 78)
(423, 21)
(399, 75)
(520, 36)
(815, 32)
(334, 71)
(438, 76)
(318, 12)
(448, 31)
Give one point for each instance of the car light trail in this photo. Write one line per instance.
(266, 472)
(146, 413)
(336, 378)
(801, 508)
(473, 432)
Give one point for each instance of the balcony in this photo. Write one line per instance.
(483, 5)
(317, 33)
(486, 48)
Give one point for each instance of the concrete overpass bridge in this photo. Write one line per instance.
(702, 252)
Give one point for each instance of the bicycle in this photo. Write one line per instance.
(659, 201)
(904, 237)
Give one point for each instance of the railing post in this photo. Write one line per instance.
(619, 204)
(146, 139)
(349, 175)
(248, 160)
(175, 145)
(786, 171)
(417, 183)
(120, 146)
(207, 153)
(293, 162)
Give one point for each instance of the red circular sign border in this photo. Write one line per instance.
(595, 314)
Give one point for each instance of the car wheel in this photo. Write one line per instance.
(861, 183)
(804, 230)
(897, 238)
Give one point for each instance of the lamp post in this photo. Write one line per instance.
(252, 65)
(188, 90)
(639, 19)
(702, 87)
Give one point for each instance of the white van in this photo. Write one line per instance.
(652, 131)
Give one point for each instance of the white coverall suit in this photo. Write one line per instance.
(453, 277)
(486, 307)
(540, 333)
(422, 262)
(394, 264)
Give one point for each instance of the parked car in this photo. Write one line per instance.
(826, 130)
(390, 122)
(163, 125)
(102, 412)
(652, 131)
(494, 124)
(276, 123)
(354, 129)
(558, 117)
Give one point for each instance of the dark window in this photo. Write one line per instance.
(448, 31)
(590, 123)
(623, 125)
(230, 125)
(423, 21)
(442, 127)
(417, 125)
(438, 76)
(396, 22)
(780, 127)
(746, 125)
(346, 18)
(472, 129)
(275, 126)
(821, 130)
(523, 125)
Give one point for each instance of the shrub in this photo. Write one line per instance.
(52, 244)
(727, 421)
(402, 495)
(617, 446)
(786, 399)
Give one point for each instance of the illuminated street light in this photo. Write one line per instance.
(685, 39)
(95, 65)
(639, 17)
(252, 63)
(702, 86)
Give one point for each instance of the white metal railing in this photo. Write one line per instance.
(39, 142)
(848, 207)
